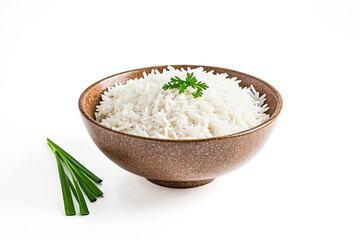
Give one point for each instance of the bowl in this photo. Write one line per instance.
(178, 163)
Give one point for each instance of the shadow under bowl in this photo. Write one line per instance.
(178, 163)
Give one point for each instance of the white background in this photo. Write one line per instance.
(304, 184)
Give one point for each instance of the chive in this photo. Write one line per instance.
(86, 180)
(75, 162)
(68, 202)
(90, 195)
(72, 188)
(82, 204)
(52, 148)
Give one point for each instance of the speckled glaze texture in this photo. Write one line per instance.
(178, 163)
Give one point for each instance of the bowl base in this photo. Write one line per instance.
(180, 184)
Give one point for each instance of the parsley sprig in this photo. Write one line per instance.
(182, 85)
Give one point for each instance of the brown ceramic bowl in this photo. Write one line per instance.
(178, 163)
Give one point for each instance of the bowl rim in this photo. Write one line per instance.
(272, 118)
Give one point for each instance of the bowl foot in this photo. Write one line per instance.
(180, 184)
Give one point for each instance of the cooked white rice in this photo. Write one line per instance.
(142, 107)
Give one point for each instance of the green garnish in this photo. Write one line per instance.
(68, 202)
(80, 176)
(86, 180)
(72, 187)
(90, 195)
(182, 85)
(73, 160)
(82, 204)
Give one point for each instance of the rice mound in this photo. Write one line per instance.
(141, 107)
